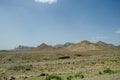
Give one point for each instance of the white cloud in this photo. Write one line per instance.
(117, 32)
(46, 1)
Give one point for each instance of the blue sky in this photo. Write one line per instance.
(32, 22)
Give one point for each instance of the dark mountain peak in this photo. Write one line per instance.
(44, 45)
(101, 42)
(85, 42)
(68, 44)
(104, 44)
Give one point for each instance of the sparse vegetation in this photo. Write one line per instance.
(21, 67)
(108, 70)
(9, 59)
(53, 77)
(100, 72)
(99, 63)
(69, 77)
(76, 76)
(79, 75)
(3, 77)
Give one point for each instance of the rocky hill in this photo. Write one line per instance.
(44, 46)
(86, 45)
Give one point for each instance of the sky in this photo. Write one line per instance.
(32, 22)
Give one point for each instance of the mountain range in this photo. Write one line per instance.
(81, 46)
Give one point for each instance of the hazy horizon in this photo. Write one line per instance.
(32, 22)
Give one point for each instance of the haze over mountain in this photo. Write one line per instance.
(23, 48)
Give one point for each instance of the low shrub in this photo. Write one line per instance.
(53, 77)
(3, 77)
(76, 76)
(79, 75)
(100, 72)
(69, 77)
(108, 70)
(21, 67)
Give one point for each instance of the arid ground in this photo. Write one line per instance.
(68, 65)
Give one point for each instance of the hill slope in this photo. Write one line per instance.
(86, 45)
